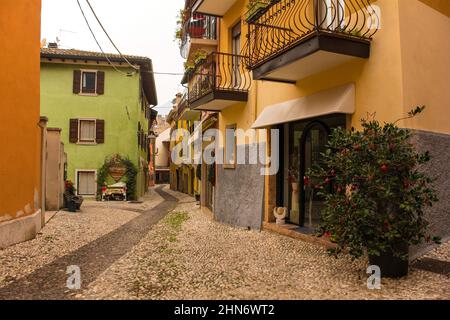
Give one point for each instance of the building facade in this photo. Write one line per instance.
(305, 67)
(22, 190)
(184, 174)
(103, 110)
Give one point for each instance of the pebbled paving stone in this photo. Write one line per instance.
(49, 281)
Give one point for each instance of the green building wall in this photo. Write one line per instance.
(119, 107)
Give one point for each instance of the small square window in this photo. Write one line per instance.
(89, 82)
(87, 131)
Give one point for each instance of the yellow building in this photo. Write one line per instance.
(183, 175)
(307, 66)
(22, 182)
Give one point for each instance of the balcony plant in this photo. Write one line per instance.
(375, 194)
(256, 8)
(181, 19)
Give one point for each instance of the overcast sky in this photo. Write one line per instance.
(138, 27)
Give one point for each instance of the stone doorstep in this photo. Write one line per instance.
(289, 230)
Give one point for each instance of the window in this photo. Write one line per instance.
(332, 14)
(87, 131)
(86, 184)
(89, 82)
(230, 147)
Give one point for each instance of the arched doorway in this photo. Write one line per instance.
(312, 145)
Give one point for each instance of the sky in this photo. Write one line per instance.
(138, 27)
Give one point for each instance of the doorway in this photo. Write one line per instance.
(303, 143)
(313, 143)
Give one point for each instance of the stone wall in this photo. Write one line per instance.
(439, 168)
(239, 194)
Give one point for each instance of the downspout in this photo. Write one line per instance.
(43, 126)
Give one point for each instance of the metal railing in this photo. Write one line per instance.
(183, 105)
(219, 72)
(285, 23)
(197, 26)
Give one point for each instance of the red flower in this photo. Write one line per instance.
(306, 181)
(327, 181)
(384, 168)
(327, 234)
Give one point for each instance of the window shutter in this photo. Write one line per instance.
(100, 131)
(100, 82)
(76, 81)
(73, 131)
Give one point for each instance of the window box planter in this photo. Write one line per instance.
(196, 31)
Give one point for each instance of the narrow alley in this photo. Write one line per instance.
(165, 248)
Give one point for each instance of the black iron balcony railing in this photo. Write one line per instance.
(286, 23)
(183, 105)
(219, 72)
(197, 26)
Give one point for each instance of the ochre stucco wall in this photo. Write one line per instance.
(442, 6)
(425, 49)
(19, 105)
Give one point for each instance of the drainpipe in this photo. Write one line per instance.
(43, 125)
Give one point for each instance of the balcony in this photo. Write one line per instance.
(293, 39)
(218, 82)
(184, 112)
(199, 32)
(213, 7)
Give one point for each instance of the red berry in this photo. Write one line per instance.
(384, 168)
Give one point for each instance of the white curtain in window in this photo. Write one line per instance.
(87, 130)
(86, 183)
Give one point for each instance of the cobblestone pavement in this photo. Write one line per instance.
(92, 239)
(188, 256)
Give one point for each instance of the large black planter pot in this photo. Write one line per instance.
(390, 265)
(72, 206)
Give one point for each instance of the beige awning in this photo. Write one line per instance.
(337, 100)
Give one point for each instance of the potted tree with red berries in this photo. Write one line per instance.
(375, 194)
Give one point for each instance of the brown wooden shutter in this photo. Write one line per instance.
(100, 82)
(100, 131)
(76, 81)
(73, 131)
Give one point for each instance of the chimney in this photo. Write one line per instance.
(53, 45)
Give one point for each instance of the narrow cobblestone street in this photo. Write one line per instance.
(165, 248)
